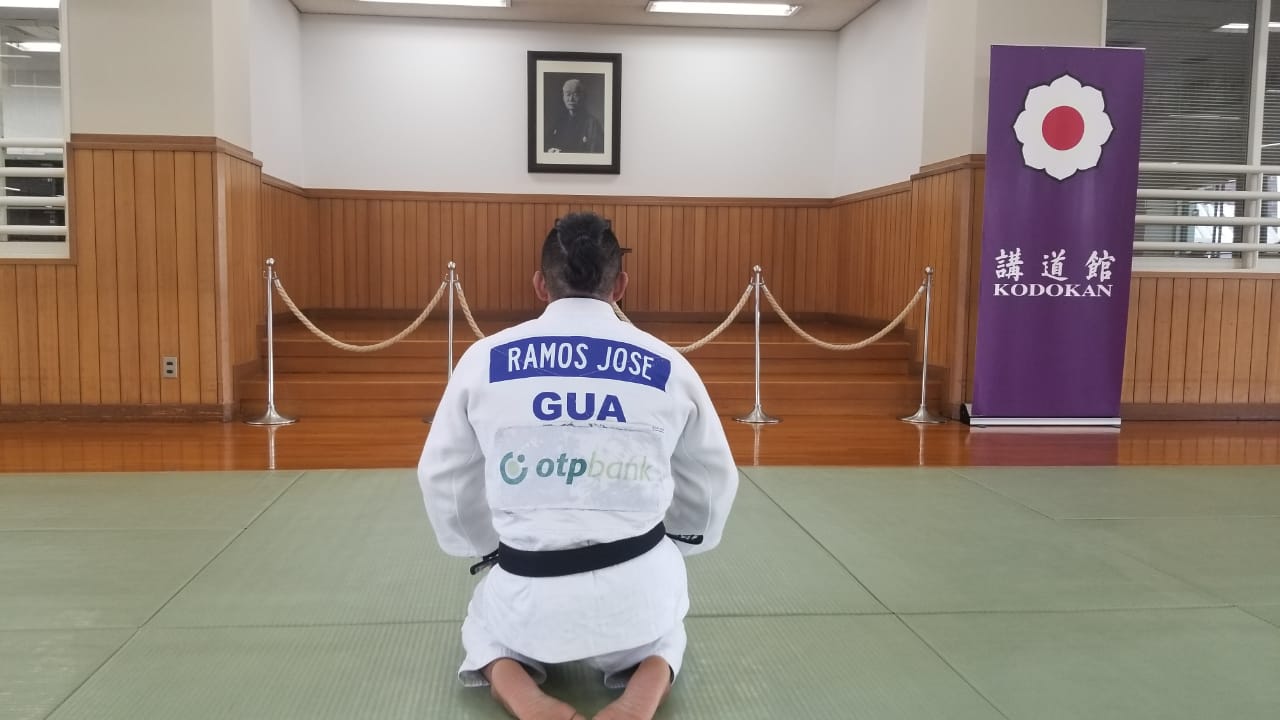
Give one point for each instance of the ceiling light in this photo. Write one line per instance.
(51, 4)
(467, 3)
(723, 8)
(1244, 27)
(35, 46)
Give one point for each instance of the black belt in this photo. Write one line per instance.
(557, 563)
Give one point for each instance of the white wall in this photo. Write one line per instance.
(276, 79)
(879, 96)
(950, 88)
(958, 60)
(1030, 22)
(231, 79)
(403, 104)
(140, 67)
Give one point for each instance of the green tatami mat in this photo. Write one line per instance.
(1166, 664)
(97, 578)
(137, 501)
(1135, 492)
(737, 668)
(928, 541)
(337, 547)
(767, 565)
(40, 668)
(1270, 613)
(1235, 559)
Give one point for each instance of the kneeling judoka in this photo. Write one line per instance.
(584, 457)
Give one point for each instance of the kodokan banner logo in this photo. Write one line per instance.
(1063, 127)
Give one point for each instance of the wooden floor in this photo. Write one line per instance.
(800, 440)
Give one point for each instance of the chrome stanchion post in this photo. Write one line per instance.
(922, 416)
(453, 280)
(271, 417)
(757, 414)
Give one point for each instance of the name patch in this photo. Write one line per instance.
(576, 356)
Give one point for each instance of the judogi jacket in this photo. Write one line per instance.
(571, 430)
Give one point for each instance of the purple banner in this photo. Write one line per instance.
(1057, 234)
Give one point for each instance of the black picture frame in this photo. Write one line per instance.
(575, 112)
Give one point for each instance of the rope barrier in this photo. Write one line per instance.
(359, 348)
(715, 333)
(466, 312)
(848, 346)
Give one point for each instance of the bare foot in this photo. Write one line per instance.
(512, 687)
(646, 690)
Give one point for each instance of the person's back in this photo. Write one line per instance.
(577, 442)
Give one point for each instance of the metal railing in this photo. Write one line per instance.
(20, 249)
(1251, 220)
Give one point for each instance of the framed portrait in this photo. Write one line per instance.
(575, 112)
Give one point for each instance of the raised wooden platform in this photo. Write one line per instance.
(314, 379)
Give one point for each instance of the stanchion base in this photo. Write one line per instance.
(757, 416)
(924, 417)
(271, 417)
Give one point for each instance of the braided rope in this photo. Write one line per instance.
(358, 348)
(686, 349)
(466, 312)
(849, 346)
(733, 314)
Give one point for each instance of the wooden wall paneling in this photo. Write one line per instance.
(411, 261)
(10, 352)
(1175, 382)
(1129, 378)
(108, 280)
(126, 262)
(398, 297)
(465, 245)
(425, 283)
(28, 335)
(189, 310)
(1226, 340)
(1213, 316)
(1263, 320)
(84, 237)
(327, 253)
(661, 272)
(355, 223)
(1197, 304)
(1243, 341)
(168, 341)
(46, 300)
(1144, 341)
(206, 279)
(148, 277)
(68, 336)
(1273, 348)
(1161, 331)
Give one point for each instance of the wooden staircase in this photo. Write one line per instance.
(313, 379)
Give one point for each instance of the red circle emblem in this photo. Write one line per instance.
(1063, 127)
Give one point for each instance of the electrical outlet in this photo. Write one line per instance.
(169, 367)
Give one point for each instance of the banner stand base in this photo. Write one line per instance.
(966, 416)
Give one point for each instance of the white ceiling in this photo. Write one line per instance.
(813, 14)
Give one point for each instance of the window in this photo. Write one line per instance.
(1207, 139)
(33, 212)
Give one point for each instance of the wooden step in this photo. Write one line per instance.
(401, 395)
(769, 367)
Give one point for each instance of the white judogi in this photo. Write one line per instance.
(570, 430)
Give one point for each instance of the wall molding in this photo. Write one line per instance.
(872, 194)
(53, 413)
(1197, 411)
(177, 143)
(963, 162)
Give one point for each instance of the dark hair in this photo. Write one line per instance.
(581, 257)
